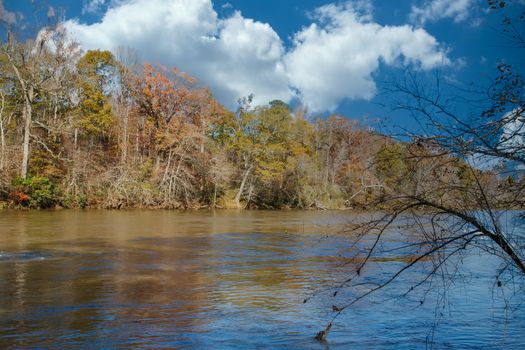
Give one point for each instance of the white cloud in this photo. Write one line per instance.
(336, 58)
(511, 142)
(484, 162)
(434, 10)
(333, 59)
(5, 15)
(93, 6)
(513, 135)
(234, 56)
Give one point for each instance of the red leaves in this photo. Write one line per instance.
(166, 94)
(21, 197)
(174, 108)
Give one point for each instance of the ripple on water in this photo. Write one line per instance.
(157, 287)
(24, 256)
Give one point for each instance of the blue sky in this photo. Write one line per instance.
(330, 56)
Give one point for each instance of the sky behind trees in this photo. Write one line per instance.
(330, 56)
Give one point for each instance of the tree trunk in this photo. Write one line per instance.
(243, 183)
(125, 137)
(2, 137)
(28, 114)
(2, 142)
(508, 249)
(28, 91)
(250, 191)
(215, 195)
(203, 136)
(76, 138)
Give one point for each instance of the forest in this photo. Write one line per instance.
(101, 130)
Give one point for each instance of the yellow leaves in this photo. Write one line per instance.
(96, 116)
(97, 123)
(97, 68)
(391, 164)
(298, 149)
(269, 170)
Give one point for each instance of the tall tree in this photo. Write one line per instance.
(97, 74)
(33, 66)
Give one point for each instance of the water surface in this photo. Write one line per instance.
(224, 279)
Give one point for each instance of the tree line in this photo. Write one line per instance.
(101, 129)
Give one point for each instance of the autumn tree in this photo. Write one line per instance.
(262, 143)
(344, 151)
(97, 73)
(391, 164)
(177, 114)
(6, 116)
(36, 68)
(24, 61)
(128, 66)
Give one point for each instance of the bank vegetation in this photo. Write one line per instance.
(102, 130)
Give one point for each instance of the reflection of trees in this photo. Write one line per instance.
(13, 278)
(124, 276)
(86, 289)
(253, 267)
(161, 281)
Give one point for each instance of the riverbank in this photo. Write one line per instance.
(44, 193)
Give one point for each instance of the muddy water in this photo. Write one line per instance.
(224, 279)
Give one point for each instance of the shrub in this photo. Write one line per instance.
(34, 192)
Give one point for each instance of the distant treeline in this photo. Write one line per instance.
(94, 129)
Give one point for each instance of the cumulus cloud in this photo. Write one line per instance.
(333, 59)
(336, 57)
(234, 56)
(511, 141)
(434, 10)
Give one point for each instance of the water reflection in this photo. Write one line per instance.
(102, 279)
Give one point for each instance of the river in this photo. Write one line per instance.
(221, 279)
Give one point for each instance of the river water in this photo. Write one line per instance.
(223, 279)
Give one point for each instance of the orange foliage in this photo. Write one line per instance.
(174, 106)
(21, 196)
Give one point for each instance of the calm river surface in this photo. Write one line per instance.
(224, 279)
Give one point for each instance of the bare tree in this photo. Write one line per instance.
(35, 66)
(451, 187)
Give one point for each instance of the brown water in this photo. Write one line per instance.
(224, 279)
